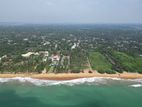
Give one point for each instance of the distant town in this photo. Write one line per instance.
(71, 48)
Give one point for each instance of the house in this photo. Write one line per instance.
(5, 56)
(29, 54)
(55, 58)
(74, 46)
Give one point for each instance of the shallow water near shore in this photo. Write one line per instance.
(85, 92)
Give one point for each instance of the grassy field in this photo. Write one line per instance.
(100, 63)
(129, 63)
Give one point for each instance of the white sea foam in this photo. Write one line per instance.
(138, 80)
(53, 82)
(38, 82)
(136, 85)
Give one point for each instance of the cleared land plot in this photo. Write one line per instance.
(100, 63)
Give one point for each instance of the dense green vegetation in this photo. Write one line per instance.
(105, 48)
(129, 63)
(100, 63)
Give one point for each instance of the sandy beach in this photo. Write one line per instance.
(70, 76)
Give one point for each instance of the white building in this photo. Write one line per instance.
(29, 54)
(55, 58)
(74, 46)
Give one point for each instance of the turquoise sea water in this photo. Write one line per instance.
(93, 92)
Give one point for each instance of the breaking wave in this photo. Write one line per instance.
(136, 85)
(94, 80)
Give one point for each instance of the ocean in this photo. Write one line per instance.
(85, 92)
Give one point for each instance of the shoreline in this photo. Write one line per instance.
(71, 76)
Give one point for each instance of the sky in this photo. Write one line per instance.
(71, 11)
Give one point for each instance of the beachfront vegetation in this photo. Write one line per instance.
(100, 63)
(72, 48)
(129, 63)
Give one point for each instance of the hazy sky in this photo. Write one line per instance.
(71, 11)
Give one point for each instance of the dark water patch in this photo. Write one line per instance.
(9, 98)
